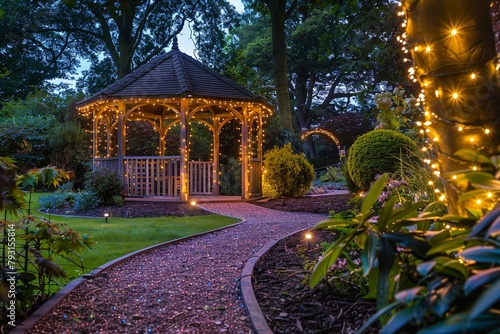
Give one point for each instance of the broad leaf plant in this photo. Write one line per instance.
(429, 272)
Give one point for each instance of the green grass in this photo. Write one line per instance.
(120, 236)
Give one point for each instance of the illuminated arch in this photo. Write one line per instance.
(330, 135)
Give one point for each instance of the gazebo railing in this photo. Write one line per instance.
(108, 163)
(160, 176)
(152, 176)
(201, 177)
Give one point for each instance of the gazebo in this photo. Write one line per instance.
(175, 89)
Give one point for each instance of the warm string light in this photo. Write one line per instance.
(137, 109)
(473, 135)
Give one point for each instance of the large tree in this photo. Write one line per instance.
(338, 56)
(362, 29)
(453, 50)
(116, 36)
(26, 63)
(280, 11)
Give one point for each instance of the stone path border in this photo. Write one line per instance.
(257, 319)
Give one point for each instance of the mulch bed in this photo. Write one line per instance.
(314, 204)
(290, 306)
(137, 209)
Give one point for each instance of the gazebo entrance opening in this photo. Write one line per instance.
(147, 174)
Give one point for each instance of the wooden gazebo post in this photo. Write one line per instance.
(122, 111)
(184, 195)
(216, 160)
(244, 153)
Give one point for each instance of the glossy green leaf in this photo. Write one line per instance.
(448, 245)
(399, 320)
(487, 299)
(380, 313)
(384, 218)
(400, 217)
(411, 242)
(373, 194)
(473, 156)
(445, 265)
(462, 323)
(369, 253)
(482, 254)
(386, 256)
(372, 283)
(435, 237)
(481, 278)
(328, 259)
(484, 223)
(408, 295)
(332, 223)
(458, 219)
(425, 268)
(472, 194)
(494, 229)
(482, 179)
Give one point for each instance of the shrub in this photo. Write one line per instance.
(351, 186)
(66, 187)
(378, 152)
(52, 201)
(332, 174)
(86, 200)
(118, 200)
(267, 190)
(289, 174)
(105, 184)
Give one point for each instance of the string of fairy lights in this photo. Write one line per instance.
(104, 115)
(470, 136)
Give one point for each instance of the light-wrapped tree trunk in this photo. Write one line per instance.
(454, 58)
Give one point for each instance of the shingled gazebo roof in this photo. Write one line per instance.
(175, 74)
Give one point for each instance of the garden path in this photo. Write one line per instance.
(188, 287)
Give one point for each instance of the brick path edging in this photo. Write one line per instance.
(257, 319)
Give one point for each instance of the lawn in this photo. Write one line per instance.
(120, 236)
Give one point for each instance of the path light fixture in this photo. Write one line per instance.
(193, 203)
(308, 240)
(106, 215)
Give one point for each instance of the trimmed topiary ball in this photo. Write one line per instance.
(378, 152)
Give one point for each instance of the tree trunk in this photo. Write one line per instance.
(453, 50)
(277, 9)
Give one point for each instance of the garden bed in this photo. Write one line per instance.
(282, 290)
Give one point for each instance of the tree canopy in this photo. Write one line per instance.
(115, 36)
(339, 55)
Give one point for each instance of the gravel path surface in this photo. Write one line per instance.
(189, 287)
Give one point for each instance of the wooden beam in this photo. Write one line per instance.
(244, 154)
(216, 148)
(184, 150)
(122, 107)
